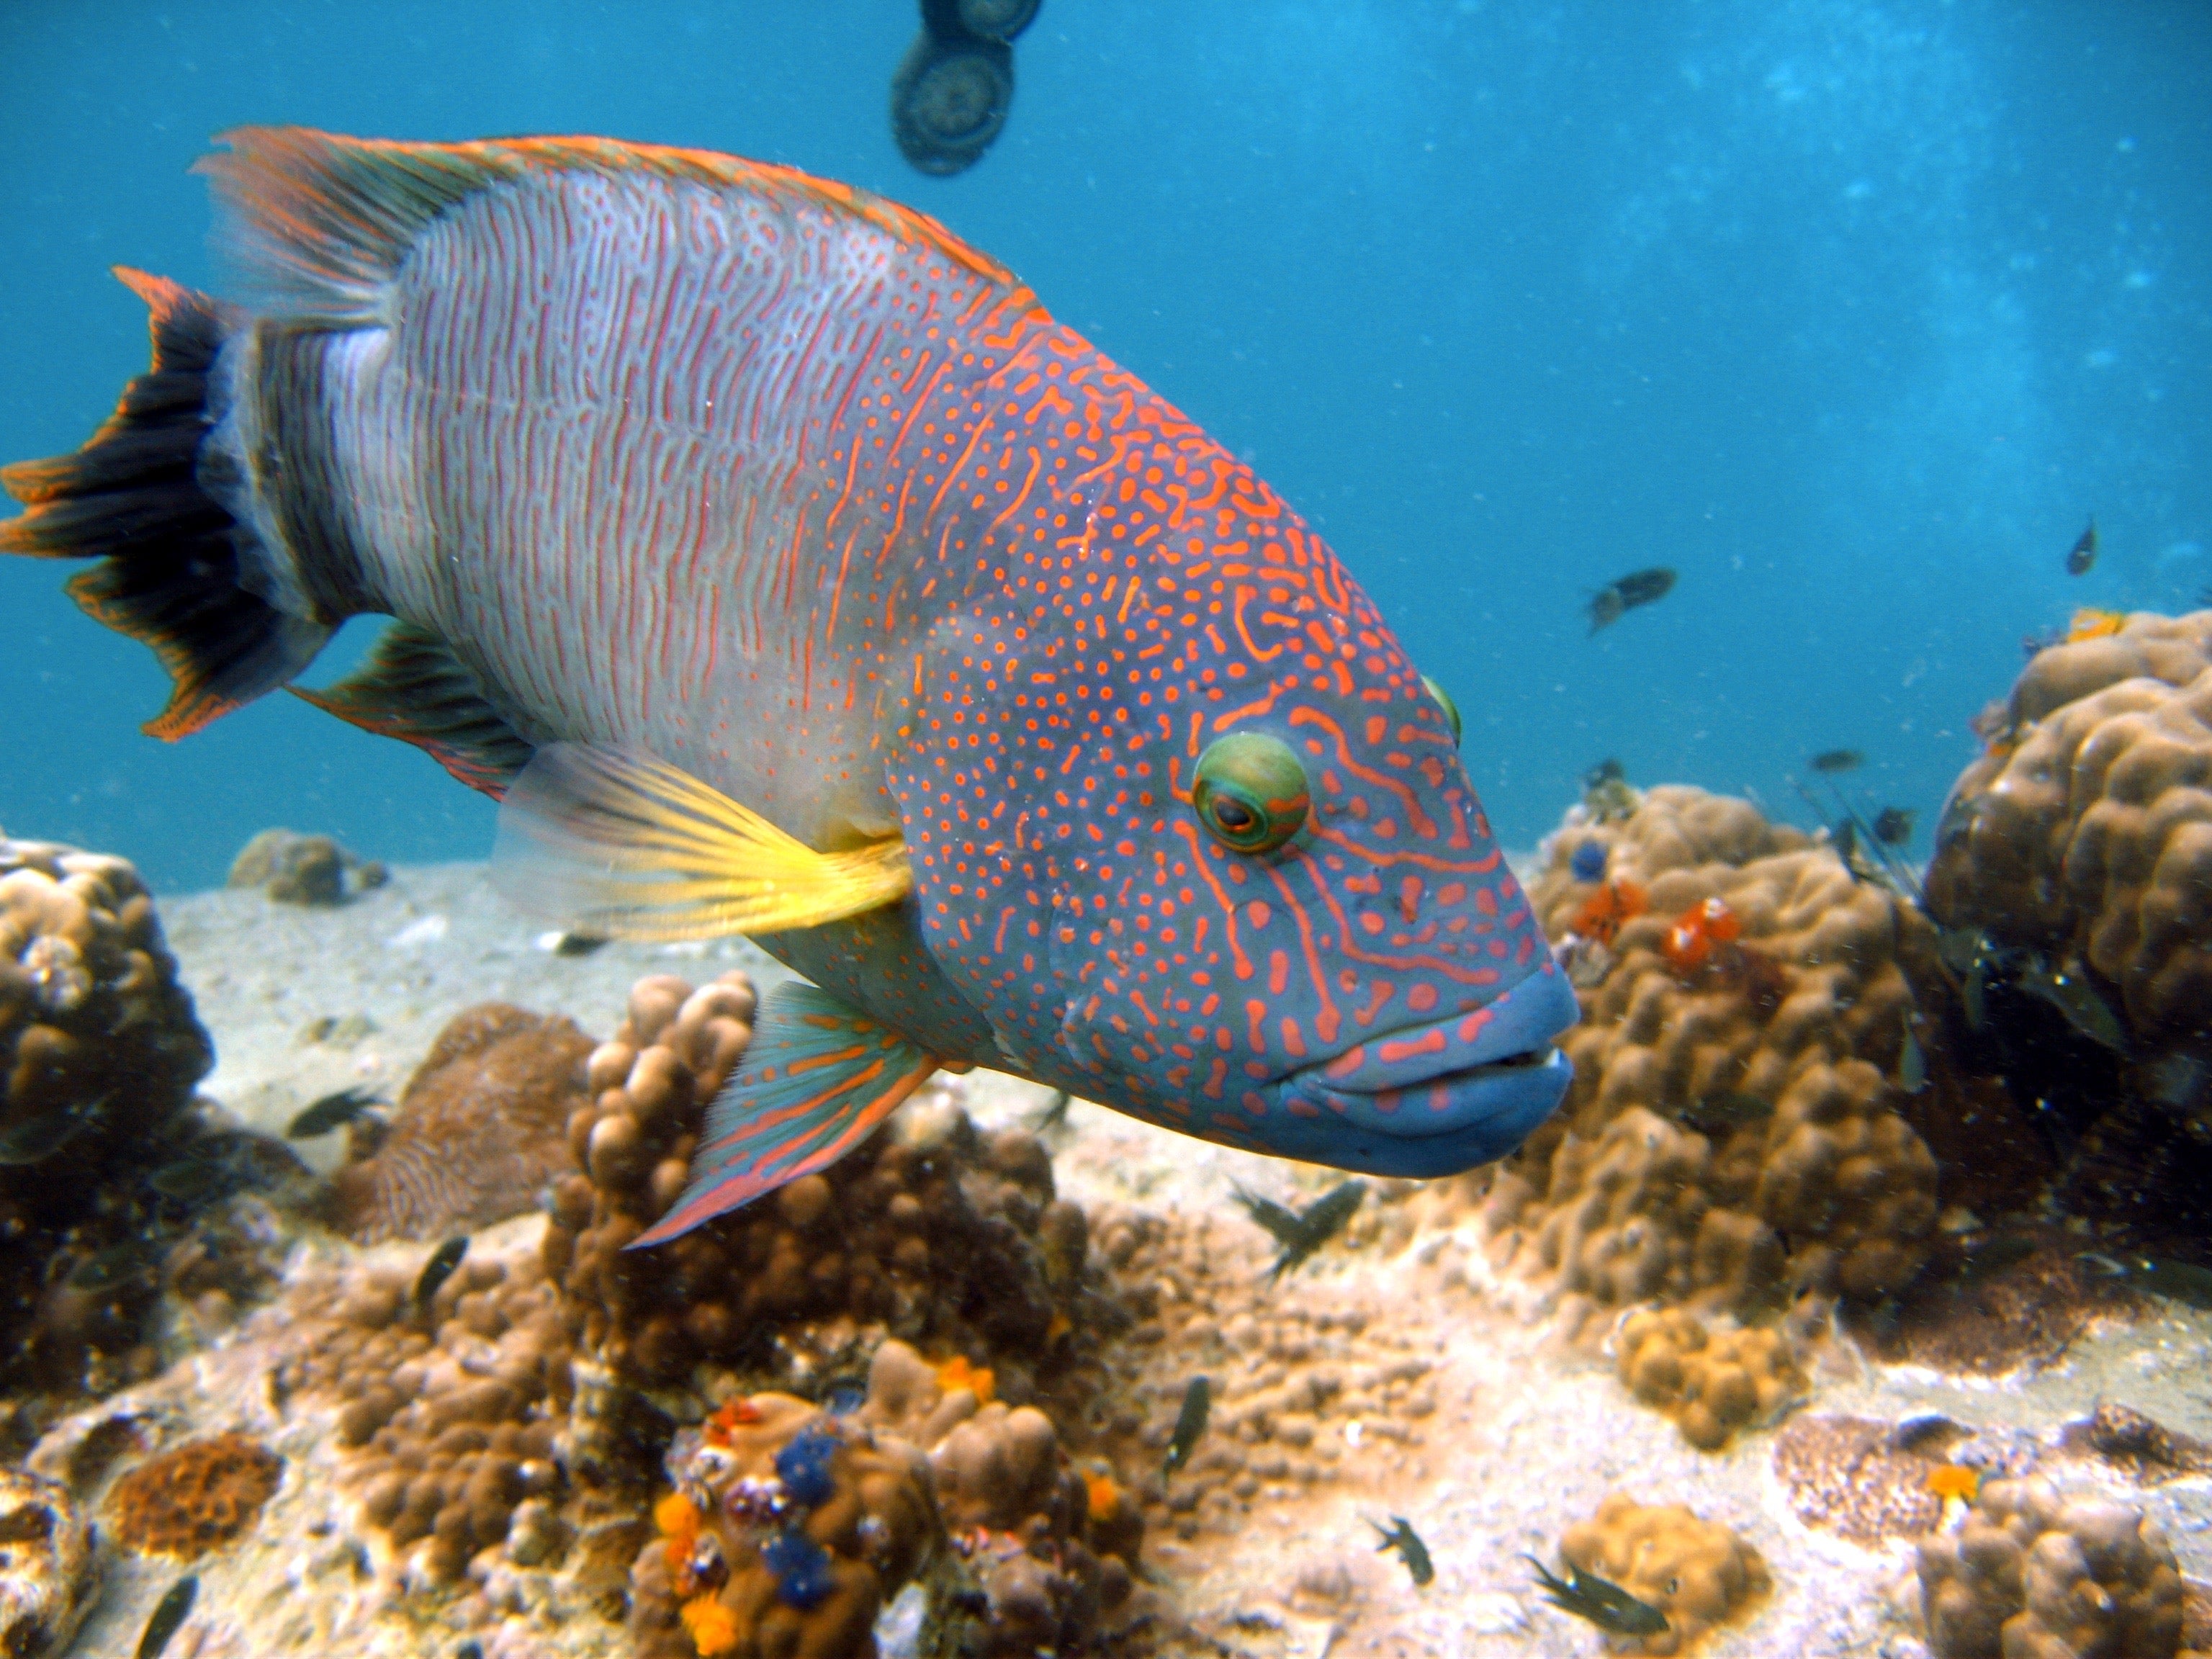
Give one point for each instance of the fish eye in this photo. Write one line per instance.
(1444, 702)
(1250, 792)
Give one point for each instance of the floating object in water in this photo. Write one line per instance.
(1190, 1423)
(1301, 1232)
(169, 1613)
(1838, 760)
(2083, 553)
(1400, 1536)
(330, 1111)
(437, 1270)
(1893, 825)
(1602, 913)
(953, 89)
(1639, 587)
(1600, 1600)
(1588, 861)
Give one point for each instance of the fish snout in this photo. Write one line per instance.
(1436, 1099)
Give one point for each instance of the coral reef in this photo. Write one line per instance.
(454, 1407)
(2144, 1448)
(1733, 1136)
(303, 869)
(930, 1231)
(2031, 1576)
(1854, 1477)
(1696, 1573)
(481, 1130)
(791, 1527)
(2085, 830)
(195, 1498)
(47, 1570)
(1711, 1383)
(98, 1054)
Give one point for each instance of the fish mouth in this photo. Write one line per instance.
(1435, 1099)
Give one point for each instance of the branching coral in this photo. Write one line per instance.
(1734, 1133)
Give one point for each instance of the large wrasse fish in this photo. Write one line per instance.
(786, 570)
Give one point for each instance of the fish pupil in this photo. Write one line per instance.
(1234, 815)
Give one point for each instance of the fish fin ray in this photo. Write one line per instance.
(617, 843)
(321, 222)
(169, 553)
(416, 689)
(815, 1081)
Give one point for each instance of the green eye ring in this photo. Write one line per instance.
(1444, 702)
(1250, 792)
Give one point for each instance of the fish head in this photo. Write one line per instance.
(1202, 846)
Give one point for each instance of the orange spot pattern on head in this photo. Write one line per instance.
(1955, 1480)
(958, 1373)
(1604, 911)
(2092, 624)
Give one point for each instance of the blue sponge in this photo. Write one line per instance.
(801, 1567)
(803, 1466)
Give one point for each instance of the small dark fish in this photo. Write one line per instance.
(1402, 1538)
(2083, 553)
(577, 944)
(103, 1270)
(438, 1269)
(38, 1139)
(2073, 997)
(1301, 1232)
(2176, 1081)
(2178, 1281)
(1973, 994)
(1604, 1603)
(175, 1607)
(1911, 1064)
(1190, 1423)
(469, 1649)
(1844, 838)
(1893, 825)
(1053, 1114)
(1616, 598)
(1838, 760)
(330, 1111)
(1729, 1108)
(191, 1180)
(1608, 770)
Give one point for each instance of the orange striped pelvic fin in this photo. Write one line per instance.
(816, 1079)
(323, 220)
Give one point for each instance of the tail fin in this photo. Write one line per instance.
(132, 498)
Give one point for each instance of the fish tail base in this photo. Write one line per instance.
(169, 551)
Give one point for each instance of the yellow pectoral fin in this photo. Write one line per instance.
(617, 843)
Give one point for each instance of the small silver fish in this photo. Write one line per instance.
(1911, 1063)
(2072, 994)
(38, 1139)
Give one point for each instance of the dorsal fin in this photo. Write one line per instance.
(414, 689)
(322, 222)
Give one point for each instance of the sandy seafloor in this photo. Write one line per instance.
(1527, 1436)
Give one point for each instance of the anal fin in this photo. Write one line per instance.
(817, 1078)
(615, 842)
(414, 689)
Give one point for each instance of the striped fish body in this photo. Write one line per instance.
(785, 487)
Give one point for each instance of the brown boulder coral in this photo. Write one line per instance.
(930, 1231)
(99, 1054)
(2030, 1575)
(1710, 1382)
(1696, 1573)
(197, 1497)
(480, 1130)
(1732, 1135)
(2085, 830)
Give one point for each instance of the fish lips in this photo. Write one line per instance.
(1432, 1100)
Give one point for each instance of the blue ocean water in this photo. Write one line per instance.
(1852, 311)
